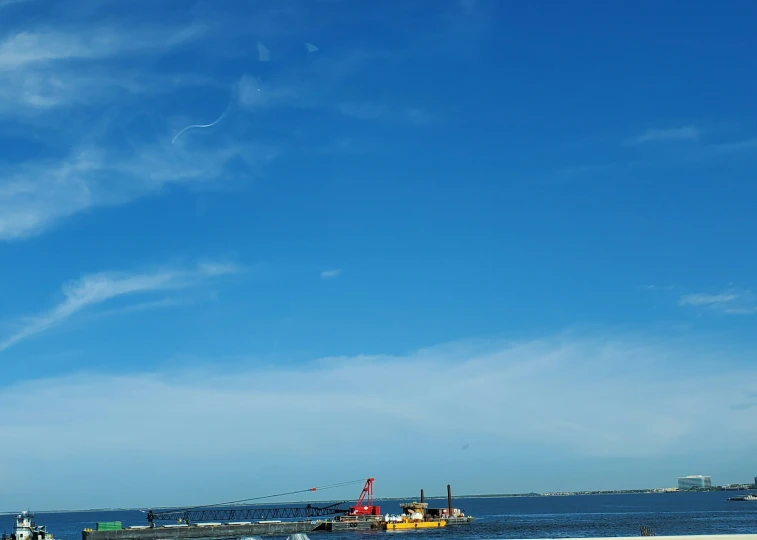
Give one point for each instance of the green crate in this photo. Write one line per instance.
(109, 526)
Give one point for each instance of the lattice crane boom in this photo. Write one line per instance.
(251, 514)
(365, 505)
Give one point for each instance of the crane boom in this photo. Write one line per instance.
(364, 505)
(252, 514)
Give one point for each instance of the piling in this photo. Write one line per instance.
(449, 499)
(422, 497)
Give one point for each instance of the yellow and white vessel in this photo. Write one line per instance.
(413, 517)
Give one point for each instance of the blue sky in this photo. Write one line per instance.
(532, 221)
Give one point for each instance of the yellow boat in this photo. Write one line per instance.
(413, 517)
(406, 525)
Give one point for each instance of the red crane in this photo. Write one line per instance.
(364, 505)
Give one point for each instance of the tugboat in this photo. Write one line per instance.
(25, 529)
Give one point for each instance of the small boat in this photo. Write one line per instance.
(25, 529)
(750, 497)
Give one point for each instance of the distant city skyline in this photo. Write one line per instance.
(247, 248)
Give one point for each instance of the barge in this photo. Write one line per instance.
(216, 522)
(209, 532)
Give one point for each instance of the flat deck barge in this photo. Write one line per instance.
(209, 532)
(215, 531)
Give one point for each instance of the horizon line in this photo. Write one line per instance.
(426, 497)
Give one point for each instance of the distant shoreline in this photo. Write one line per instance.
(656, 491)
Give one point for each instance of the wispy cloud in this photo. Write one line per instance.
(4, 3)
(26, 48)
(88, 100)
(700, 145)
(362, 111)
(735, 146)
(330, 274)
(686, 133)
(731, 301)
(95, 289)
(35, 196)
(321, 85)
(653, 287)
(48, 69)
(33, 91)
(253, 94)
(702, 299)
(318, 92)
(48, 78)
(613, 398)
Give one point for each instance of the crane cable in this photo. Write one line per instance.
(229, 503)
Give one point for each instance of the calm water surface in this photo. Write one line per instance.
(532, 517)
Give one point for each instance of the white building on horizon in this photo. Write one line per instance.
(694, 481)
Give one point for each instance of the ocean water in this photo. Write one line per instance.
(519, 518)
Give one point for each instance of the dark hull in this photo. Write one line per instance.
(216, 532)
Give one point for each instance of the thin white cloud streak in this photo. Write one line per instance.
(33, 91)
(686, 133)
(730, 302)
(36, 196)
(736, 146)
(609, 398)
(96, 289)
(5, 3)
(701, 299)
(319, 86)
(136, 308)
(253, 94)
(653, 287)
(47, 70)
(330, 274)
(24, 49)
(362, 111)
(307, 93)
(264, 54)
